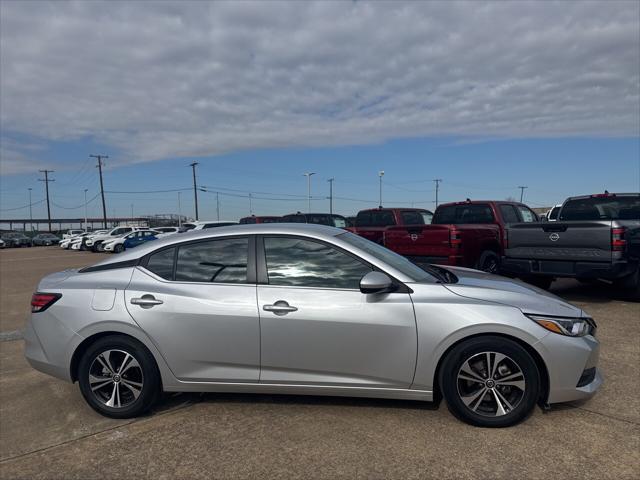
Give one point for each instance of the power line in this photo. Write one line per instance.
(46, 181)
(20, 208)
(79, 206)
(104, 205)
(150, 191)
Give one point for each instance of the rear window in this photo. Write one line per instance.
(463, 214)
(416, 217)
(509, 214)
(271, 220)
(245, 221)
(320, 219)
(602, 208)
(293, 219)
(375, 218)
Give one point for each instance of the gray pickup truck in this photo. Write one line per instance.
(595, 237)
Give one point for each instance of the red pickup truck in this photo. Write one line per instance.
(371, 224)
(466, 234)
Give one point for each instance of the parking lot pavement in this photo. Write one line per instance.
(47, 431)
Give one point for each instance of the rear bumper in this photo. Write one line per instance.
(563, 268)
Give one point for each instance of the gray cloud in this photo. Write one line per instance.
(160, 80)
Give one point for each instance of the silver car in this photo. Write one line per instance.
(307, 309)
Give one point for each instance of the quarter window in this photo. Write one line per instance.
(304, 263)
(161, 263)
(218, 261)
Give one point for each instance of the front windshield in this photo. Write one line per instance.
(392, 259)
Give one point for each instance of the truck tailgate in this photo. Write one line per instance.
(419, 240)
(566, 241)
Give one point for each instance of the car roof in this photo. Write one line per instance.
(393, 209)
(304, 229)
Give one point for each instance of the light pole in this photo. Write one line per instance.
(85, 208)
(308, 175)
(380, 175)
(331, 195)
(30, 212)
(179, 212)
(437, 181)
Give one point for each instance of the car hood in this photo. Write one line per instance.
(494, 288)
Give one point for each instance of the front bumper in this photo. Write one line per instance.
(571, 361)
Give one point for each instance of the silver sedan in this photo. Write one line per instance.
(307, 309)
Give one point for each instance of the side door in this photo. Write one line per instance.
(317, 328)
(197, 302)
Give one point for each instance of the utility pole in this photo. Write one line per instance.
(218, 206)
(331, 195)
(195, 189)
(179, 212)
(85, 209)
(522, 192)
(380, 175)
(132, 212)
(308, 175)
(30, 211)
(250, 205)
(46, 181)
(104, 205)
(437, 180)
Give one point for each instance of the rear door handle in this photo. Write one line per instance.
(146, 301)
(279, 308)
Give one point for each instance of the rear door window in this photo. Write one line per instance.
(528, 216)
(509, 214)
(416, 217)
(216, 261)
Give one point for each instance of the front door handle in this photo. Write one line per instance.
(146, 301)
(279, 308)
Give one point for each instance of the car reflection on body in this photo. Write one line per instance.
(307, 309)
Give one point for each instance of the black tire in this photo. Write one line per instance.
(147, 374)
(119, 248)
(540, 281)
(478, 412)
(489, 262)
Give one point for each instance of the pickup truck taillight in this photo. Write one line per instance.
(455, 239)
(618, 242)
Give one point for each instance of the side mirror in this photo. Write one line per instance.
(376, 282)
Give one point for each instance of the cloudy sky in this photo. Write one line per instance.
(165, 82)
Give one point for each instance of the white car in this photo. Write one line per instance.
(2, 244)
(131, 239)
(166, 230)
(96, 242)
(66, 242)
(202, 225)
(72, 233)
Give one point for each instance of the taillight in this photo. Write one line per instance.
(455, 239)
(41, 301)
(618, 242)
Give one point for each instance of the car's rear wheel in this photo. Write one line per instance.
(490, 382)
(489, 262)
(118, 377)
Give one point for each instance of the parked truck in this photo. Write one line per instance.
(373, 223)
(595, 237)
(467, 234)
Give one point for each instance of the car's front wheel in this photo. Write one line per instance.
(118, 377)
(490, 382)
(119, 248)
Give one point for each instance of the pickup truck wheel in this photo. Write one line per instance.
(490, 382)
(540, 282)
(489, 262)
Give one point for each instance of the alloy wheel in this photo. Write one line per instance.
(116, 378)
(491, 384)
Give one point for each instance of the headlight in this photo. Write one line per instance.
(572, 327)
